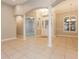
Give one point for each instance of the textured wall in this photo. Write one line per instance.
(60, 23)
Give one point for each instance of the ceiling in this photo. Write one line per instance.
(36, 4)
(28, 5)
(14, 2)
(64, 6)
(17, 2)
(67, 5)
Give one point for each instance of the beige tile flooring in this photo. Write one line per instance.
(62, 48)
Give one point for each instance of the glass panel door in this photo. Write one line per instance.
(29, 27)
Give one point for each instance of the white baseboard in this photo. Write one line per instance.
(66, 36)
(3, 40)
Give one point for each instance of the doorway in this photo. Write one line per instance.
(36, 23)
(29, 27)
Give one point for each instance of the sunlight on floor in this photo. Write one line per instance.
(62, 48)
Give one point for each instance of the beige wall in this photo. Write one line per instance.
(60, 21)
(8, 22)
(19, 21)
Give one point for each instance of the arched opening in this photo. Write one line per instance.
(39, 26)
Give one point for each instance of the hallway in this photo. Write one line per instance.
(62, 48)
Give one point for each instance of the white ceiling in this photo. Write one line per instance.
(67, 5)
(31, 4)
(14, 2)
(35, 4)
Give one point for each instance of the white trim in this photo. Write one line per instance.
(7, 39)
(24, 28)
(66, 35)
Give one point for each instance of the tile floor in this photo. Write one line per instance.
(62, 48)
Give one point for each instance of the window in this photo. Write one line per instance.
(66, 23)
(70, 23)
(73, 23)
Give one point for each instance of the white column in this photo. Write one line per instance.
(19, 10)
(24, 35)
(50, 26)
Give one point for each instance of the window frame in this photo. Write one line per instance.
(69, 24)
